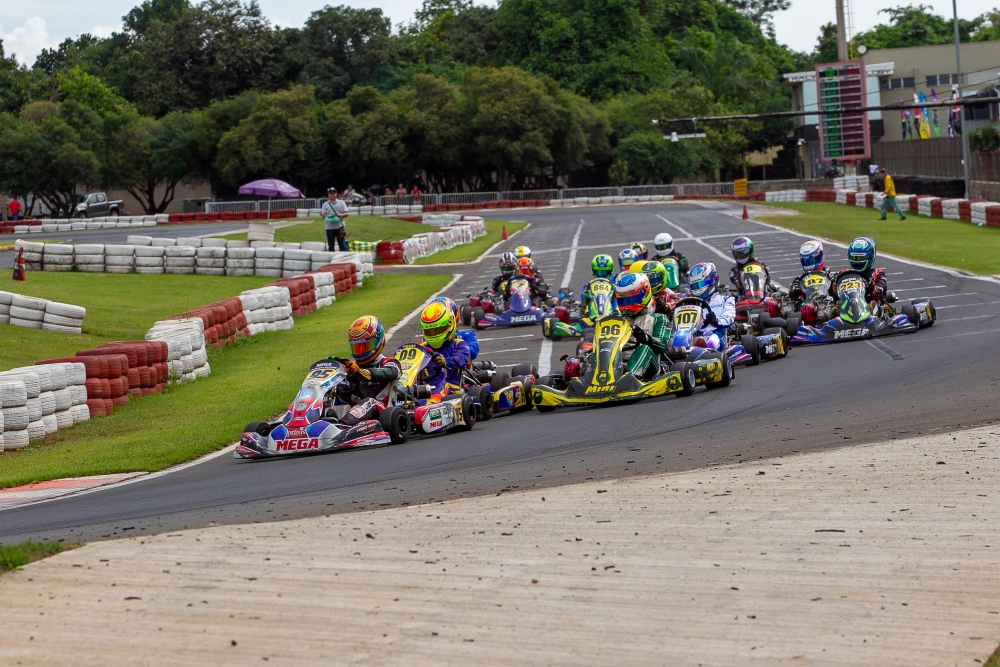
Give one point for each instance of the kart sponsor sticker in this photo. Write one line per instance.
(364, 428)
(523, 318)
(297, 444)
(599, 390)
(812, 281)
(850, 333)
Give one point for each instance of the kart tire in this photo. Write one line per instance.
(785, 339)
(477, 314)
(499, 381)
(260, 428)
(545, 408)
(527, 384)
(466, 314)
(547, 323)
(911, 314)
(932, 312)
(524, 369)
(728, 373)
(468, 413)
(396, 422)
(749, 342)
(688, 379)
(792, 325)
(484, 398)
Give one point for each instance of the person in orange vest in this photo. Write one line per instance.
(890, 196)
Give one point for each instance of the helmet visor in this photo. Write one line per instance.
(664, 247)
(364, 348)
(743, 253)
(436, 332)
(701, 286)
(632, 301)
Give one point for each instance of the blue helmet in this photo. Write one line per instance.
(704, 280)
(861, 253)
(811, 256)
(627, 257)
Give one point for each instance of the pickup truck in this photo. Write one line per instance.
(96, 204)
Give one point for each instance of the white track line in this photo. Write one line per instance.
(965, 305)
(918, 289)
(545, 355)
(496, 352)
(692, 237)
(945, 296)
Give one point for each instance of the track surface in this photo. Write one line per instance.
(855, 392)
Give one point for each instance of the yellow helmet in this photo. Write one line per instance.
(438, 324)
(366, 338)
(522, 251)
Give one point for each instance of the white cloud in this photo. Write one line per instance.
(27, 41)
(103, 30)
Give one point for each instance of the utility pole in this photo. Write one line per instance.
(841, 32)
(965, 137)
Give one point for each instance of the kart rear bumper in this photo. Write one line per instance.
(545, 396)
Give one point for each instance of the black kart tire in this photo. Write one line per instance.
(524, 369)
(547, 328)
(499, 381)
(396, 422)
(465, 312)
(469, 413)
(484, 397)
(911, 314)
(792, 325)
(545, 408)
(728, 373)
(477, 314)
(688, 379)
(260, 428)
(749, 343)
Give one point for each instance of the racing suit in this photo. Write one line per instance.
(682, 262)
(370, 386)
(456, 356)
(734, 277)
(651, 331)
(723, 307)
(501, 284)
(469, 336)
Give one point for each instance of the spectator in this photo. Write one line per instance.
(415, 193)
(890, 195)
(14, 210)
(349, 193)
(400, 191)
(335, 212)
(831, 172)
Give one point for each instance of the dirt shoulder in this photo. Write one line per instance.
(880, 554)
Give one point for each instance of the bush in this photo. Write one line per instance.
(984, 139)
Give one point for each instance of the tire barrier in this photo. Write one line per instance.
(39, 400)
(36, 313)
(186, 357)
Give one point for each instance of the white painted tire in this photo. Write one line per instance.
(267, 273)
(206, 271)
(31, 303)
(269, 253)
(119, 260)
(240, 263)
(65, 310)
(61, 329)
(213, 243)
(88, 260)
(15, 439)
(150, 270)
(119, 250)
(164, 243)
(48, 402)
(239, 272)
(268, 263)
(148, 251)
(13, 393)
(27, 314)
(88, 249)
(32, 384)
(179, 262)
(180, 251)
(64, 419)
(15, 419)
(51, 424)
(118, 269)
(62, 321)
(57, 250)
(143, 262)
(34, 406)
(240, 253)
(210, 252)
(27, 324)
(36, 431)
(179, 270)
(91, 268)
(57, 377)
(63, 399)
(210, 262)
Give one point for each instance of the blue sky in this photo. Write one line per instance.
(28, 27)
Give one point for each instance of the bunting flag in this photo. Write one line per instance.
(925, 120)
(954, 116)
(936, 123)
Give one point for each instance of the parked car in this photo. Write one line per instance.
(95, 204)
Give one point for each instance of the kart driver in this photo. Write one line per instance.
(371, 373)
(650, 329)
(721, 311)
(861, 257)
(742, 249)
(813, 259)
(508, 270)
(664, 298)
(602, 266)
(664, 244)
(451, 354)
(468, 335)
(626, 258)
(640, 249)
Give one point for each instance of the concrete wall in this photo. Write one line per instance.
(182, 192)
(802, 184)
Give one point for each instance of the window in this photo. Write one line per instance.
(942, 79)
(892, 84)
(101, 199)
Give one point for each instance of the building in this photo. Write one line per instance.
(894, 76)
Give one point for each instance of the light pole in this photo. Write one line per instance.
(965, 138)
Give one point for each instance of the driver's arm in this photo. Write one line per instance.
(879, 285)
(388, 372)
(728, 315)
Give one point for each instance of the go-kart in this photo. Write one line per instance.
(816, 306)
(450, 408)
(498, 392)
(486, 310)
(576, 319)
(857, 318)
(313, 420)
(756, 309)
(601, 375)
(741, 349)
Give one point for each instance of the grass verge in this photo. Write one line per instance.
(953, 243)
(993, 660)
(18, 555)
(251, 380)
(119, 307)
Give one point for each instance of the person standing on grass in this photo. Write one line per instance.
(890, 195)
(14, 210)
(334, 213)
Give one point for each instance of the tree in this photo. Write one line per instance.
(761, 11)
(915, 25)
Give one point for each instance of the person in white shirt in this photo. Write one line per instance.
(335, 212)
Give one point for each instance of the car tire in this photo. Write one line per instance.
(465, 312)
(728, 374)
(524, 369)
(499, 381)
(396, 422)
(749, 342)
(468, 413)
(260, 428)
(484, 397)
(527, 384)
(688, 379)
(911, 314)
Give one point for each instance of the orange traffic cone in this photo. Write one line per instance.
(746, 216)
(503, 233)
(19, 274)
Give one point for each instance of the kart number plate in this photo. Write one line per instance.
(812, 281)
(850, 285)
(321, 374)
(753, 268)
(611, 330)
(685, 317)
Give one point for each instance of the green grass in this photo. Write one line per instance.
(19, 555)
(119, 307)
(373, 228)
(993, 660)
(251, 380)
(953, 243)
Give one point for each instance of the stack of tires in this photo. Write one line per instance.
(89, 257)
(14, 392)
(51, 408)
(390, 252)
(240, 261)
(149, 259)
(135, 368)
(302, 295)
(268, 262)
(25, 311)
(345, 277)
(185, 340)
(34, 313)
(319, 259)
(119, 258)
(180, 259)
(296, 262)
(323, 285)
(210, 261)
(32, 253)
(223, 321)
(63, 317)
(74, 395)
(269, 308)
(57, 257)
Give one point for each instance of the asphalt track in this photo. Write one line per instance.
(855, 392)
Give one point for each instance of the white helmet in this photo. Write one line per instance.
(664, 243)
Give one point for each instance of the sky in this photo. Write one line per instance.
(28, 27)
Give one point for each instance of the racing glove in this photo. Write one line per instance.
(351, 368)
(365, 373)
(640, 335)
(711, 319)
(440, 361)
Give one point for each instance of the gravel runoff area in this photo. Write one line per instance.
(879, 554)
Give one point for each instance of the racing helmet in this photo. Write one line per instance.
(448, 301)
(602, 266)
(742, 250)
(861, 253)
(438, 324)
(811, 255)
(632, 293)
(626, 258)
(526, 267)
(508, 264)
(640, 249)
(664, 243)
(366, 338)
(522, 251)
(704, 280)
(655, 272)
